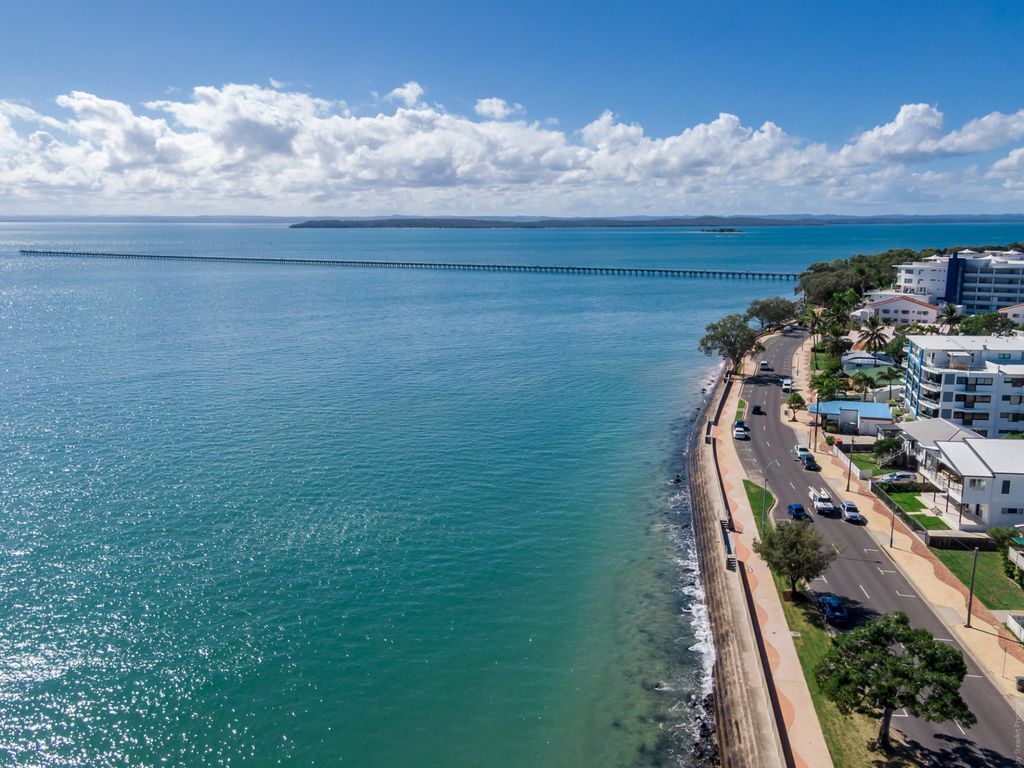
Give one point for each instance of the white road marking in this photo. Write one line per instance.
(869, 549)
(823, 579)
(791, 485)
(901, 713)
(838, 552)
(881, 571)
(943, 639)
(900, 594)
(767, 443)
(972, 675)
(864, 591)
(961, 728)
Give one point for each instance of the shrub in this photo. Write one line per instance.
(830, 440)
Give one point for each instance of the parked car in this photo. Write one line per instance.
(800, 451)
(788, 329)
(850, 512)
(763, 365)
(797, 512)
(757, 410)
(739, 433)
(739, 424)
(897, 477)
(833, 611)
(822, 502)
(787, 384)
(809, 463)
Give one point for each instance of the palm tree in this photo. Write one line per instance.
(862, 383)
(834, 343)
(825, 387)
(838, 316)
(949, 316)
(888, 376)
(813, 318)
(873, 336)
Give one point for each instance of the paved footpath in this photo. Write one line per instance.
(802, 727)
(988, 642)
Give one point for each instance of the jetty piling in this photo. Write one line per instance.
(530, 268)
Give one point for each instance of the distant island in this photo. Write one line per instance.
(703, 223)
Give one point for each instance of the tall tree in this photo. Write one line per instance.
(897, 348)
(887, 665)
(862, 383)
(873, 336)
(888, 376)
(732, 339)
(949, 316)
(834, 343)
(815, 321)
(825, 386)
(795, 551)
(773, 311)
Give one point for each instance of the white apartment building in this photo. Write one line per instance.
(1015, 312)
(983, 481)
(972, 381)
(980, 282)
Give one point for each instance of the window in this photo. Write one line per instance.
(946, 413)
(1004, 355)
(1011, 510)
(977, 483)
(1006, 487)
(961, 380)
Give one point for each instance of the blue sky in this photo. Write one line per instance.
(823, 73)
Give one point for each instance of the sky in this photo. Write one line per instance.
(539, 108)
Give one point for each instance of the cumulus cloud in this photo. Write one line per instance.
(497, 109)
(249, 148)
(407, 94)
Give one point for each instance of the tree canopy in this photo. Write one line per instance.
(986, 324)
(731, 338)
(873, 336)
(795, 551)
(796, 402)
(773, 311)
(887, 665)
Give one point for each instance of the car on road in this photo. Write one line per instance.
(797, 512)
(833, 611)
(739, 433)
(809, 463)
(788, 329)
(800, 451)
(822, 502)
(740, 424)
(787, 384)
(757, 410)
(763, 365)
(850, 512)
(897, 477)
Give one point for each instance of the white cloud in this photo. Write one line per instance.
(407, 94)
(497, 109)
(248, 148)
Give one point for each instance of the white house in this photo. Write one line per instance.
(898, 310)
(972, 381)
(1015, 312)
(983, 480)
(921, 439)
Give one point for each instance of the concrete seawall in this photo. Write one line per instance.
(744, 709)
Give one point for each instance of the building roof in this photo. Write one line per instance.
(961, 457)
(905, 297)
(1003, 457)
(928, 432)
(878, 359)
(1012, 306)
(969, 343)
(865, 410)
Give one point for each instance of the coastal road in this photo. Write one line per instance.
(867, 579)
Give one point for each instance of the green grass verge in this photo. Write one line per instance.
(757, 496)
(930, 522)
(823, 361)
(909, 502)
(741, 409)
(991, 585)
(868, 461)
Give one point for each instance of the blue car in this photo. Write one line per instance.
(833, 611)
(797, 512)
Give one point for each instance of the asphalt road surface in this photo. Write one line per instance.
(868, 580)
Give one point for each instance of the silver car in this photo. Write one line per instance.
(850, 512)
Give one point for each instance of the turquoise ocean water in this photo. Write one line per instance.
(257, 515)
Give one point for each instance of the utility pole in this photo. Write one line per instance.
(849, 467)
(970, 597)
(892, 525)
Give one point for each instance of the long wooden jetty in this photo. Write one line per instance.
(738, 274)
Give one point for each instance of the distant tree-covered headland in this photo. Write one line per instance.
(865, 272)
(522, 223)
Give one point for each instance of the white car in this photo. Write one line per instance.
(763, 365)
(897, 477)
(850, 512)
(739, 433)
(787, 384)
(800, 451)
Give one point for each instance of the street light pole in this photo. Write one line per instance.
(849, 467)
(764, 493)
(970, 598)
(892, 525)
